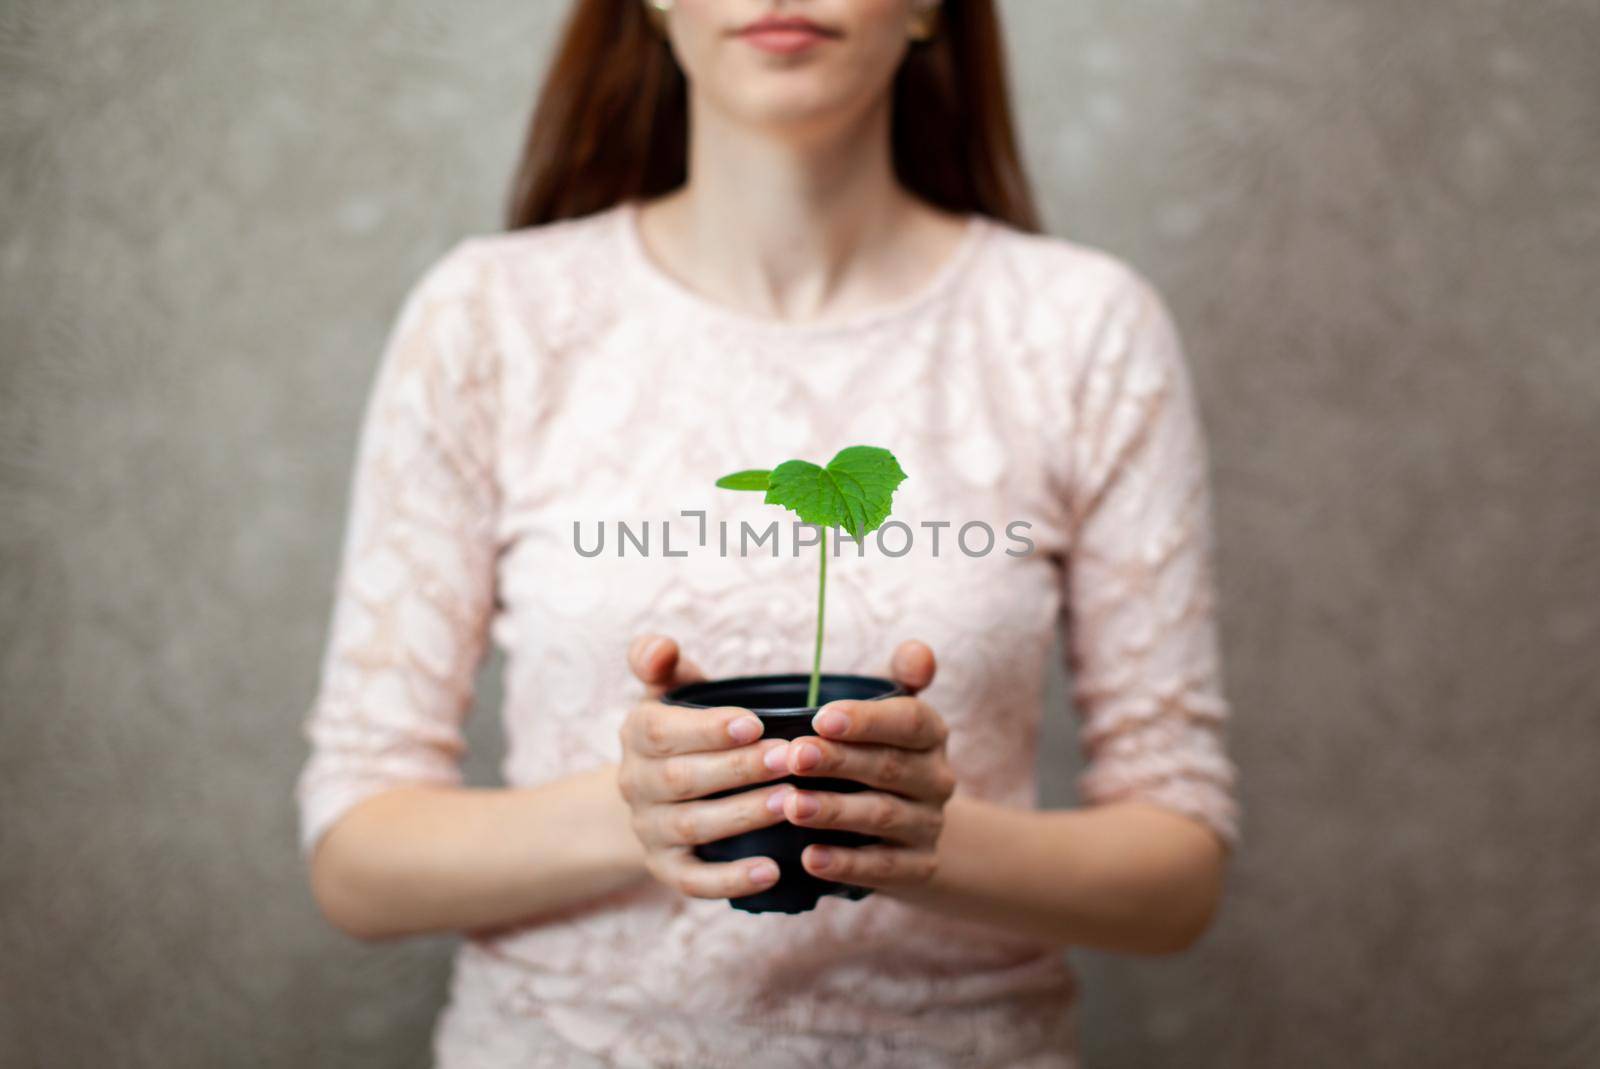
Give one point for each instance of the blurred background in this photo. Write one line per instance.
(1378, 226)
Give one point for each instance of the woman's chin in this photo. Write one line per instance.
(794, 102)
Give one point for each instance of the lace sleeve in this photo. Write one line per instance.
(415, 590)
(1142, 640)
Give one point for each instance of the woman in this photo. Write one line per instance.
(743, 231)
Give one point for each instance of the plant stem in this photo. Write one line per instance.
(822, 598)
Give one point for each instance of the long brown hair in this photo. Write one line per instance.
(612, 121)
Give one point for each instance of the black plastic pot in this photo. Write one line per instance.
(780, 702)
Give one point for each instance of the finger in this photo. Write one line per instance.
(888, 816)
(906, 722)
(870, 866)
(912, 665)
(707, 820)
(656, 730)
(648, 654)
(694, 775)
(658, 664)
(717, 879)
(921, 774)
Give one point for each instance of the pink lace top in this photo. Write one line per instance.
(554, 377)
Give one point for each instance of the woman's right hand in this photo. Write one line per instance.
(672, 757)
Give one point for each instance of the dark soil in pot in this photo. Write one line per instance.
(780, 702)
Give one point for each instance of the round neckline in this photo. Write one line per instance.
(952, 269)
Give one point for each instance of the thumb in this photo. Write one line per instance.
(656, 662)
(912, 665)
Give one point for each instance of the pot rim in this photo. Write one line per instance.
(890, 689)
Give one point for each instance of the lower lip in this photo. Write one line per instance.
(783, 42)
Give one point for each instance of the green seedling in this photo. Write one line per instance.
(853, 493)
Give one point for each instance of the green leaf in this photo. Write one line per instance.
(754, 479)
(854, 491)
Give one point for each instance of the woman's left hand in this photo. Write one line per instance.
(896, 746)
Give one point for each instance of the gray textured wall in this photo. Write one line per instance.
(1378, 225)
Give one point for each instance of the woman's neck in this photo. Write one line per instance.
(796, 227)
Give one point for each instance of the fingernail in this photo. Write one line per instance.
(744, 729)
(805, 806)
(777, 758)
(831, 721)
(821, 857)
(763, 872)
(650, 648)
(776, 799)
(807, 757)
